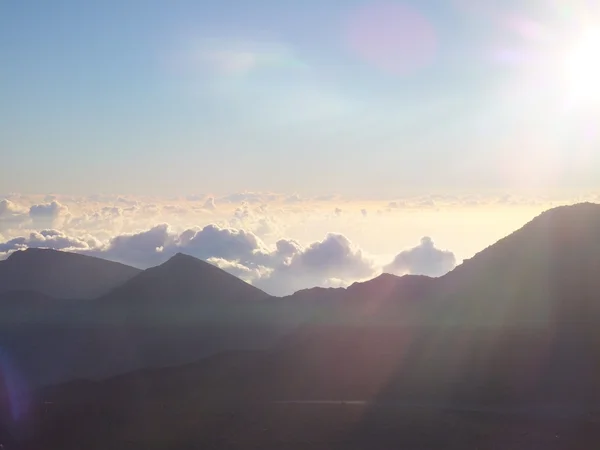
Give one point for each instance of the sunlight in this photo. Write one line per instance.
(582, 66)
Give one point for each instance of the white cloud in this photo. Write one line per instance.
(333, 261)
(424, 259)
(46, 239)
(281, 269)
(144, 249)
(245, 231)
(11, 215)
(227, 243)
(48, 214)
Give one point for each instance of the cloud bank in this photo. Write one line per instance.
(278, 242)
(281, 269)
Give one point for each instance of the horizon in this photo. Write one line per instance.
(294, 145)
(277, 282)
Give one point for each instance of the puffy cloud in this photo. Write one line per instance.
(11, 215)
(334, 252)
(282, 269)
(7, 208)
(53, 239)
(333, 261)
(424, 259)
(242, 239)
(52, 210)
(154, 246)
(144, 249)
(48, 214)
(213, 241)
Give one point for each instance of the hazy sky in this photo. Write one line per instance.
(361, 98)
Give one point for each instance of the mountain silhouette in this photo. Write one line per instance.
(545, 272)
(61, 274)
(178, 312)
(515, 328)
(183, 280)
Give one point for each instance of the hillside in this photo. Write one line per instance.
(511, 334)
(61, 274)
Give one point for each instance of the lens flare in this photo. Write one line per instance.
(12, 388)
(392, 36)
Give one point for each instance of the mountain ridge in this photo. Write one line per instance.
(62, 274)
(186, 308)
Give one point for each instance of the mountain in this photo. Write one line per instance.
(541, 274)
(178, 312)
(61, 274)
(511, 333)
(182, 281)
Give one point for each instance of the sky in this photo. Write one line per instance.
(382, 121)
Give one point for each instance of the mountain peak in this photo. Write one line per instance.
(180, 257)
(578, 212)
(33, 252)
(187, 278)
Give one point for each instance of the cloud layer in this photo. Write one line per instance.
(282, 269)
(279, 242)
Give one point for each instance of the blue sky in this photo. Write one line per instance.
(360, 98)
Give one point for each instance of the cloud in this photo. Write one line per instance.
(295, 198)
(243, 237)
(332, 261)
(239, 270)
(156, 245)
(213, 241)
(250, 197)
(46, 239)
(144, 249)
(281, 269)
(11, 215)
(48, 214)
(424, 259)
(209, 204)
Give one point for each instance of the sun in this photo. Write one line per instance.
(582, 68)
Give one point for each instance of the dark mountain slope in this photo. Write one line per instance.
(510, 313)
(513, 330)
(546, 272)
(516, 325)
(182, 280)
(62, 274)
(24, 307)
(179, 312)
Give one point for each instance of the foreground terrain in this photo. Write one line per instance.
(500, 353)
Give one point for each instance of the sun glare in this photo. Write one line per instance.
(582, 68)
